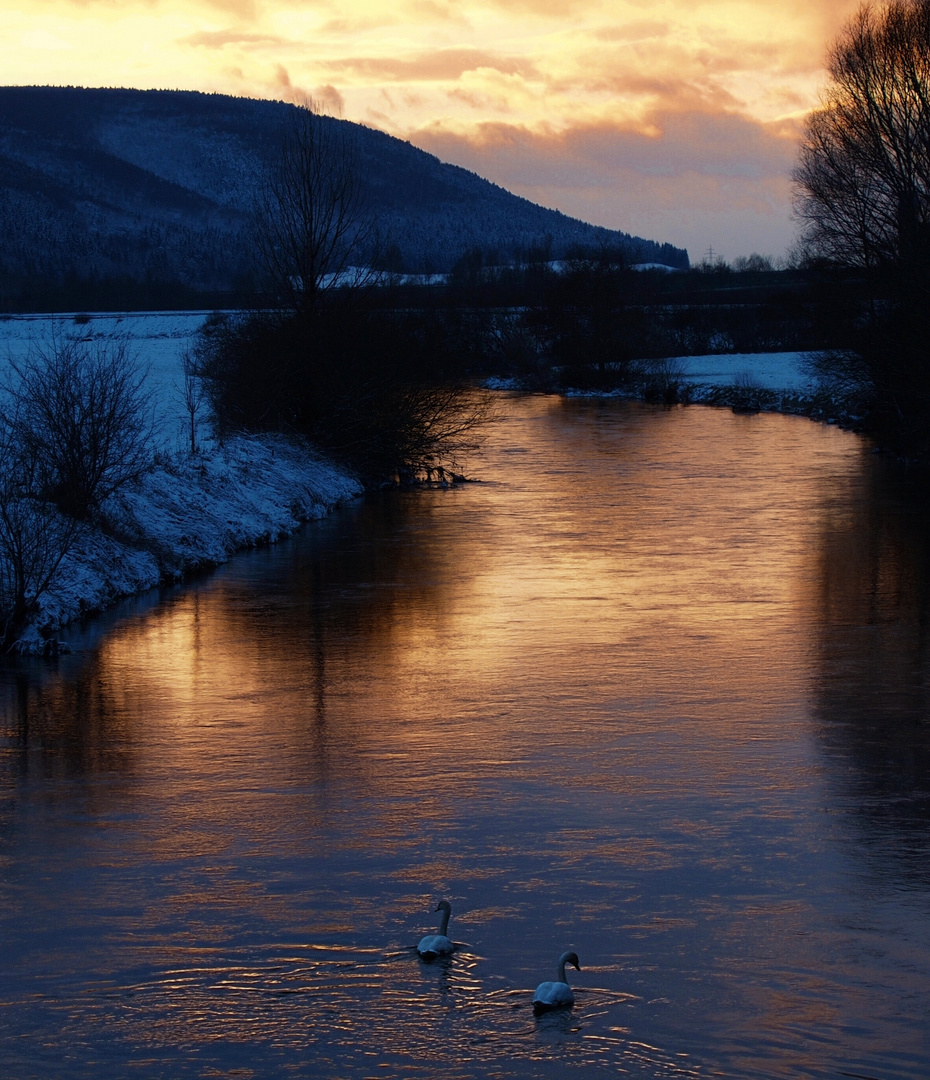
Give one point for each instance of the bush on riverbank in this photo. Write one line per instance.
(381, 390)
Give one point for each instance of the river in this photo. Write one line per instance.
(654, 689)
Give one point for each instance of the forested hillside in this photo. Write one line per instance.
(153, 190)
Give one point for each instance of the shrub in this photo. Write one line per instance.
(375, 388)
(83, 418)
(34, 536)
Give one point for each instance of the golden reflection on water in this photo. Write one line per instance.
(649, 575)
(583, 698)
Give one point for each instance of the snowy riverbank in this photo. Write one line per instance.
(780, 382)
(188, 513)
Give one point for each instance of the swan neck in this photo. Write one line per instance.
(444, 922)
(566, 958)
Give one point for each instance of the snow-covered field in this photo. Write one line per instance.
(157, 339)
(191, 512)
(769, 371)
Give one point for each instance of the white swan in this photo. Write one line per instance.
(556, 995)
(438, 944)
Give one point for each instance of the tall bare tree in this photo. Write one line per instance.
(863, 197)
(313, 225)
(863, 176)
(371, 385)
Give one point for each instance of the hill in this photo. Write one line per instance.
(152, 190)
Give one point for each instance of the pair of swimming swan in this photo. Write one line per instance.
(549, 995)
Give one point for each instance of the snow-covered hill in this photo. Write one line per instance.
(158, 186)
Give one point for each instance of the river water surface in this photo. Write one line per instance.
(655, 690)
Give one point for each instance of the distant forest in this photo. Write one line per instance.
(142, 199)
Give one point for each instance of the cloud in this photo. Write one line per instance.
(284, 89)
(443, 13)
(554, 9)
(243, 9)
(438, 65)
(346, 26)
(330, 100)
(698, 178)
(646, 29)
(42, 39)
(708, 144)
(220, 39)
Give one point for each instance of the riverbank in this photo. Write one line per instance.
(189, 513)
(782, 382)
(744, 382)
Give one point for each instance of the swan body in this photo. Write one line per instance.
(556, 995)
(438, 944)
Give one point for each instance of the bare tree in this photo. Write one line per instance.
(371, 385)
(34, 536)
(753, 264)
(313, 228)
(863, 176)
(83, 418)
(410, 431)
(863, 197)
(193, 395)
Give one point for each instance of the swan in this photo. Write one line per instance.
(556, 995)
(438, 944)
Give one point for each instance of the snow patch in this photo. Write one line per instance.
(769, 371)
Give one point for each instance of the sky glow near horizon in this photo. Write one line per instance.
(677, 121)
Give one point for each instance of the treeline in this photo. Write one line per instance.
(642, 314)
(73, 292)
(684, 312)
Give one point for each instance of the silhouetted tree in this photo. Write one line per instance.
(586, 321)
(34, 535)
(83, 418)
(863, 177)
(378, 389)
(313, 228)
(863, 197)
(374, 387)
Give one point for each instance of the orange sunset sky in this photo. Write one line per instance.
(676, 120)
